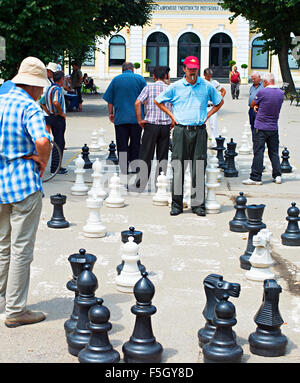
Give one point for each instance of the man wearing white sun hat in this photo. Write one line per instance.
(24, 153)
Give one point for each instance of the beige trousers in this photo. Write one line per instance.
(18, 226)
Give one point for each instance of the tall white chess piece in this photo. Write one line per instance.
(130, 273)
(97, 187)
(161, 196)
(79, 187)
(261, 259)
(212, 206)
(115, 198)
(94, 227)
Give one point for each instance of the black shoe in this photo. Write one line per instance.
(200, 212)
(175, 212)
(61, 171)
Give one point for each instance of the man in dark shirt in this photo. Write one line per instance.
(267, 104)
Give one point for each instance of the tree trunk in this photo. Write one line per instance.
(284, 66)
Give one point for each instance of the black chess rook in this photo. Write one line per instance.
(58, 220)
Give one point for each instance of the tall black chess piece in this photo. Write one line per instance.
(222, 348)
(137, 235)
(85, 156)
(268, 340)
(86, 284)
(58, 220)
(253, 225)
(215, 289)
(237, 224)
(112, 154)
(77, 261)
(291, 236)
(142, 346)
(285, 165)
(230, 170)
(220, 149)
(99, 349)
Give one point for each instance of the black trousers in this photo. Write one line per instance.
(155, 137)
(260, 138)
(58, 128)
(128, 139)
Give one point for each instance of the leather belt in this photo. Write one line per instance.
(192, 127)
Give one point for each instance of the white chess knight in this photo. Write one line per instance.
(261, 259)
(212, 206)
(94, 227)
(115, 198)
(161, 197)
(79, 187)
(130, 273)
(97, 187)
(94, 146)
(101, 141)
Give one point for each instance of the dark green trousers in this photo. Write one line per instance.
(189, 147)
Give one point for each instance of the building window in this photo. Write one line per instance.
(157, 50)
(259, 60)
(292, 61)
(188, 45)
(117, 50)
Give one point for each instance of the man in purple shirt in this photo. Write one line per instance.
(267, 104)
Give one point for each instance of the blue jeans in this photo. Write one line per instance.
(260, 138)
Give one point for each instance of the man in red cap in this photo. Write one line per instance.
(189, 97)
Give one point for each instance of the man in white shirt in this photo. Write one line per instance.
(213, 121)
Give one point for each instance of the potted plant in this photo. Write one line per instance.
(137, 65)
(146, 72)
(244, 79)
(231, 63)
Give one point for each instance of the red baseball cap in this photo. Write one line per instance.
(191, 62)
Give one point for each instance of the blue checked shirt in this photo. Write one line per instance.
(21, 124)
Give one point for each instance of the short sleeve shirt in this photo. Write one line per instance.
(269, 101)
(190, 101)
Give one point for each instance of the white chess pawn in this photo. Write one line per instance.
(79, 187)
(94, 227)
(244, 149)
(97, 187)
(161, 197)
(130, 273)
(101, 141)
(261, 258)
(94, 146)
(212, 206)
(187, 189)
(115, 198)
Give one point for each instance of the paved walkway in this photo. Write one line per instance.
(178, 252)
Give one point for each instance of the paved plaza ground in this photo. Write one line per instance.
(178, 252)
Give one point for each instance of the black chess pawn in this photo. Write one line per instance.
(253, 225)
(142, 346)
(222, 348)
(291, 236)
(230, 169)
(58, 220)
(99, 349)
(268, 340)
(77, 261)
(215, 289)
(285, 165)
(237, 224)
(85, 156)
(137, 235)
(220, 151)
(86, 284)
(112, 154)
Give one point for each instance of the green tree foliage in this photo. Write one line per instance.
(275, 19)
(49, 28)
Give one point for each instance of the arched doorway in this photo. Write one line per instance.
(189, 44)
(220, 53)
(157, 50)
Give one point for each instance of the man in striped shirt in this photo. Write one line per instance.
(24, 153)
(56, 119)
(156, 128)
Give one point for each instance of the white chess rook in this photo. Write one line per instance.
(115, 198)
(261, 259)
(130, 273)
(162, 196)
(79, 187)
(94, 227)
(212, 206)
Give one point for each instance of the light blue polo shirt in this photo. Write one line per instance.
(190, 101)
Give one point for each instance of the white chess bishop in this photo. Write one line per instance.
(79, 187)
(130, 273)
(94, 146)
(261, 259)
(161, 197)
(212, 206)
(97, 187)
(115, 198)
(94, 227)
